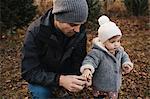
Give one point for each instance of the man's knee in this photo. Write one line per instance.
(39, 92)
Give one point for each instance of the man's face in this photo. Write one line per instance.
(68, 29)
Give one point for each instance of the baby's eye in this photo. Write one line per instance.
(118, 41)
(112, 41)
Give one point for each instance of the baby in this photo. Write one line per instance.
(105, 62)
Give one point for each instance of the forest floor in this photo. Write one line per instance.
(135, 40)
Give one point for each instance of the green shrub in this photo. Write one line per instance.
(94, 10)
(94, 13)
(137, 7)
(16, 13)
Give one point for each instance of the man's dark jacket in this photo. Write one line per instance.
(48, 53)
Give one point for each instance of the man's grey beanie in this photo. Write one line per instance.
(70, 11)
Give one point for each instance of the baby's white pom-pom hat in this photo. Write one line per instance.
(107, 29)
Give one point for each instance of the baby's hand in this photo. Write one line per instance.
(88, 74)
(127, 68)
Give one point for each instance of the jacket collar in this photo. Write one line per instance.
(48, 29)
(47, 18)
(97, 44)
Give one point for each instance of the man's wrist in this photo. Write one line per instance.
(60, 80)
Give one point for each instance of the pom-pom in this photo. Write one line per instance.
(103, 19)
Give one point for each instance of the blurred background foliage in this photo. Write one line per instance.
(16, 14)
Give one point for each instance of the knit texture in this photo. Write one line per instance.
(70, 11)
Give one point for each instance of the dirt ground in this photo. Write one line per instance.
(136, 41)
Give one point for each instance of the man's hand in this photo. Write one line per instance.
(72, 83)
(127, 68)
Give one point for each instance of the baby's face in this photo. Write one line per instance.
(113, 44)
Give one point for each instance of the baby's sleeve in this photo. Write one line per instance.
(91, 61)
(125, 60)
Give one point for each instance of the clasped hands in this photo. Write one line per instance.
(75, 83)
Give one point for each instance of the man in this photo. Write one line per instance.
(54, 48)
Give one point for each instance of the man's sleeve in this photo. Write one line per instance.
(79, 53)
(91, 61)
(32, 70)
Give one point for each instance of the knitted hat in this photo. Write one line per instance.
(70, 11)
(107, 29)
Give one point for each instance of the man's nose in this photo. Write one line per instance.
(77, 28)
